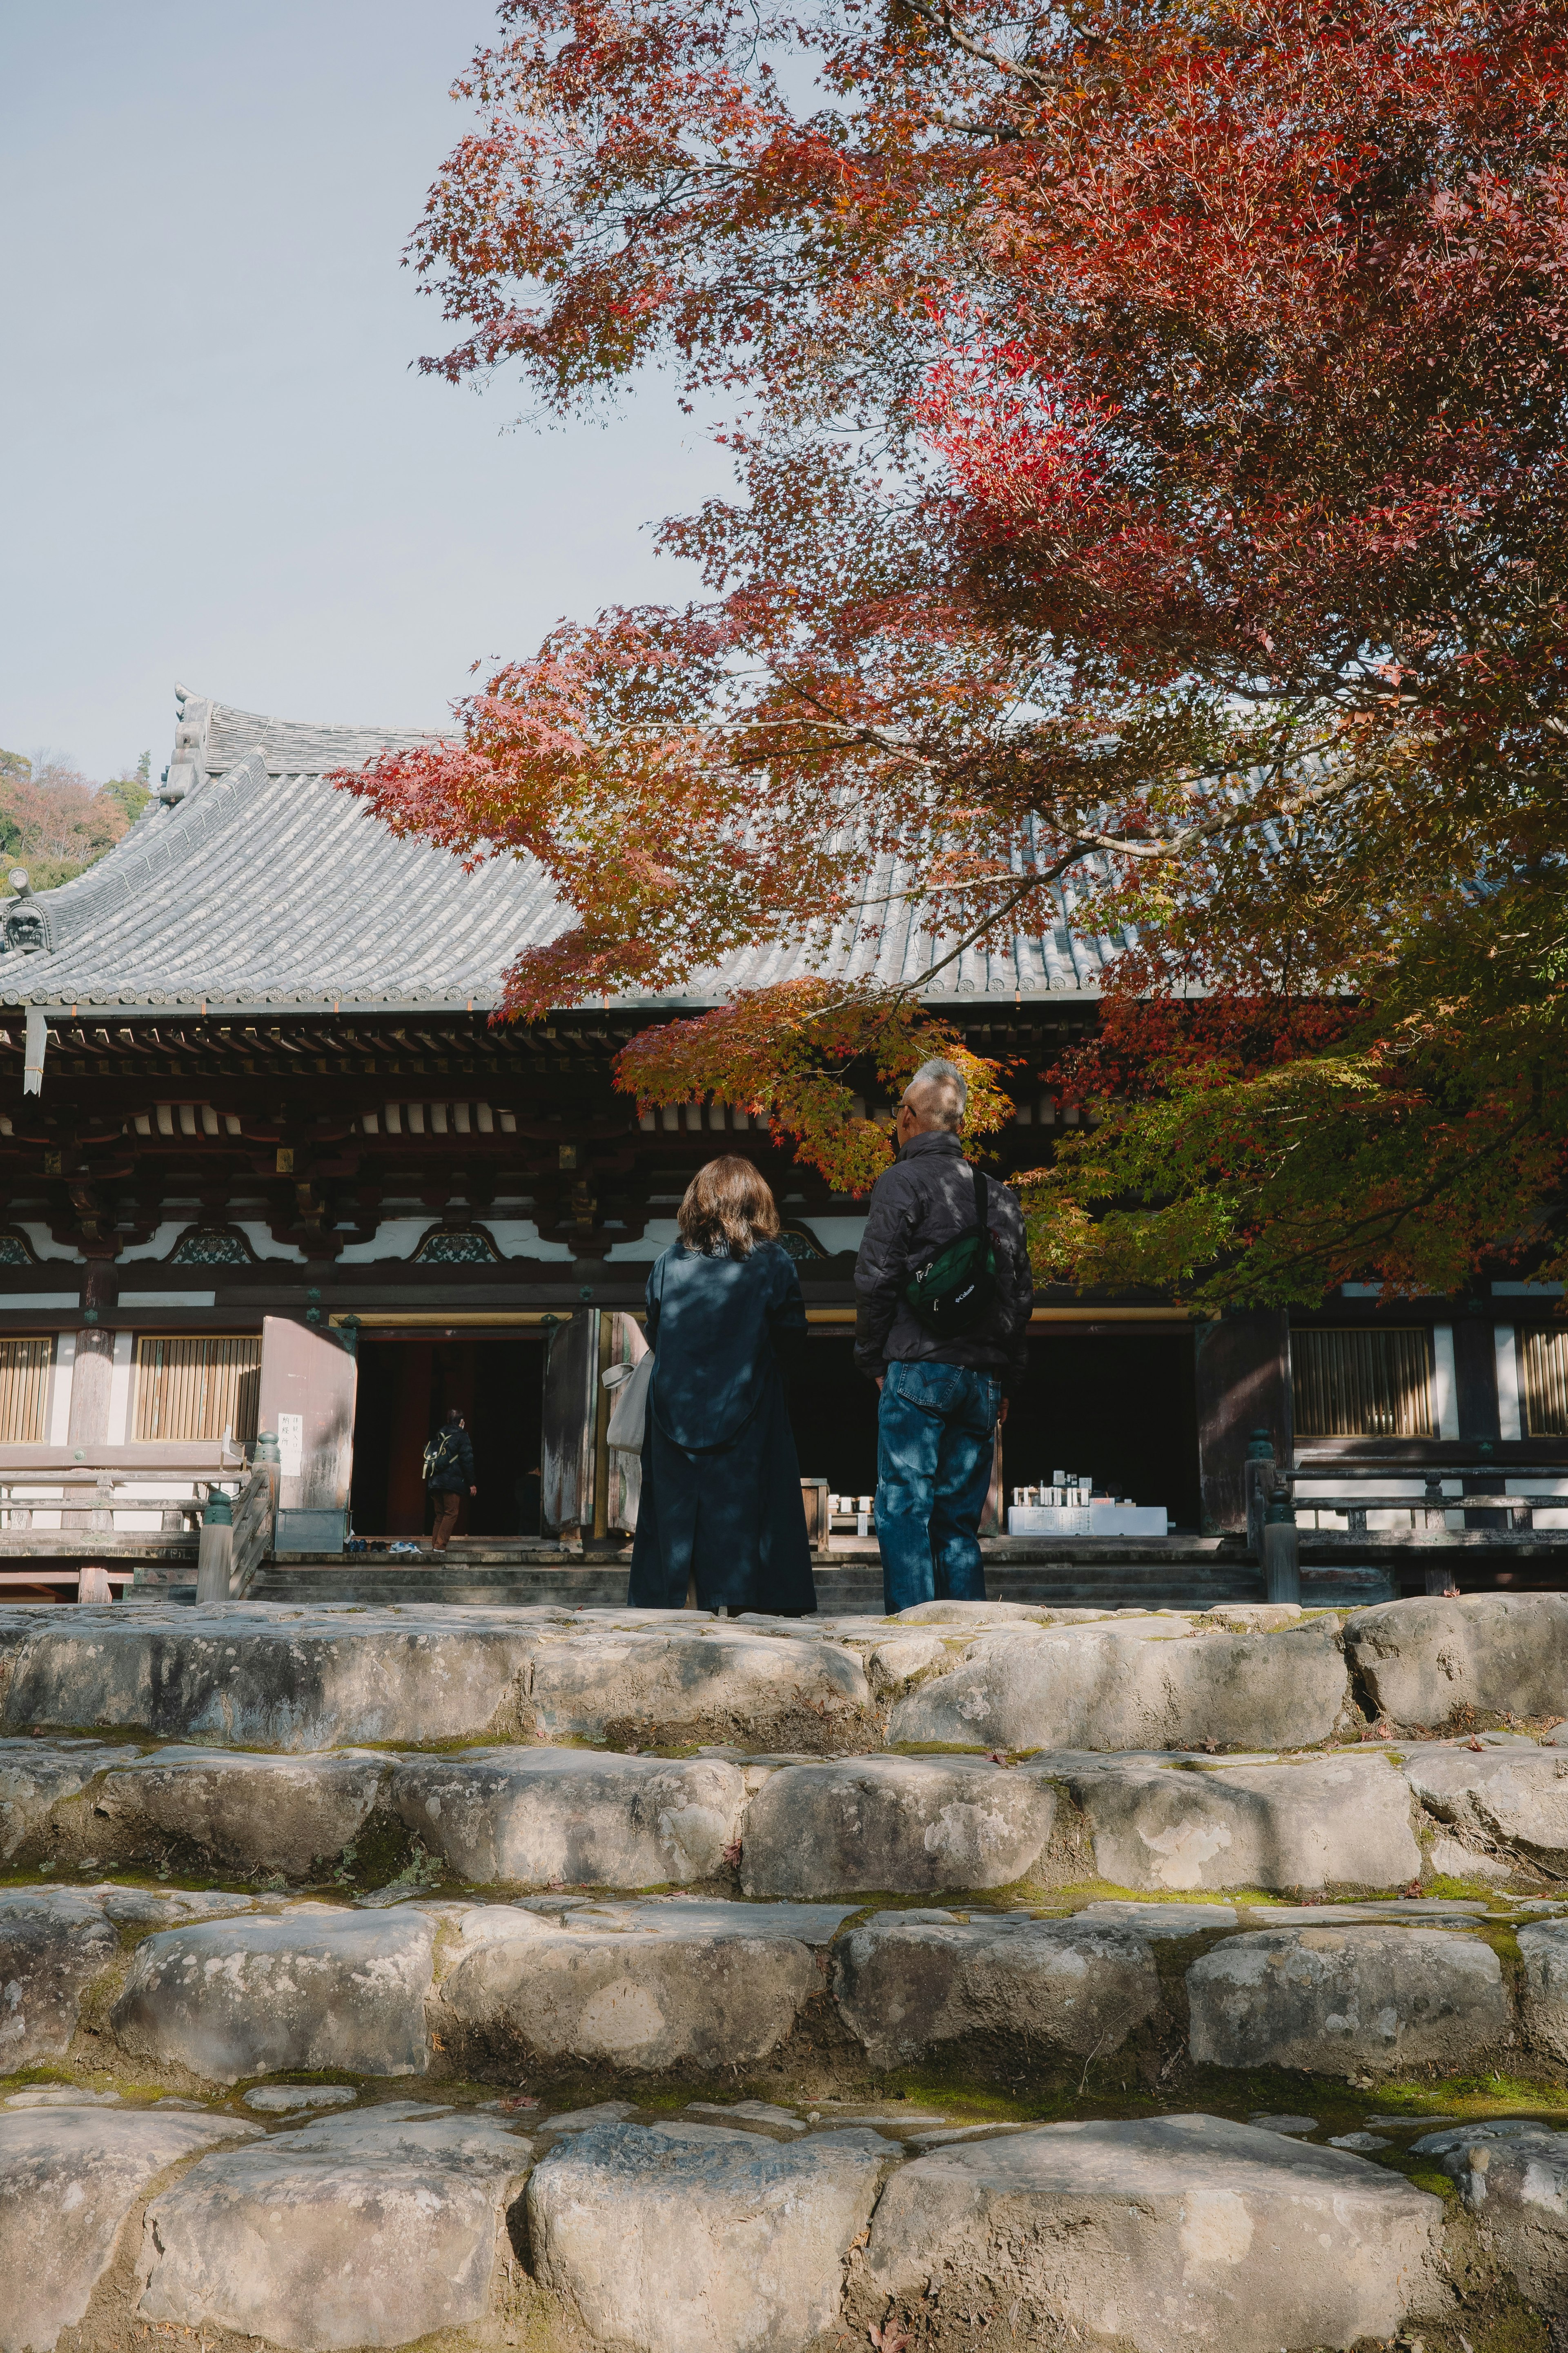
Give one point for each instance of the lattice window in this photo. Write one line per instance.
(472, 1248)
(197, 1387)
(1363, 1383)
(1543, 1382)
(24, 1390)
(210, 1246)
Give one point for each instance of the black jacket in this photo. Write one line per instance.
(455, 1472)
(925, 1200)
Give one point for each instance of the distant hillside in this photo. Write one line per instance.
(57, 822)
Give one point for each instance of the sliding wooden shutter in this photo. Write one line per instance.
(1363, 1383)
(24, 1390)
(1543, 1382)
(196, 1389)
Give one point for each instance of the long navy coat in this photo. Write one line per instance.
(721, 1479)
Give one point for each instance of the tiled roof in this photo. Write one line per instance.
(254, 883)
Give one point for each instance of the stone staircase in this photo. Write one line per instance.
(1000, 1976)
(1100, 1574)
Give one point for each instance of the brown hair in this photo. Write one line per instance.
(728, 1201)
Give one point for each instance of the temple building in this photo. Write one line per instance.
(263, 1152)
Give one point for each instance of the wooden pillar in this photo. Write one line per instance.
(1243, 1384)
(1476, 1402)
(91, 1377)
(1475, 1377)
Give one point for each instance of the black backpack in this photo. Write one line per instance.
(437, 1457)
(955, 1290)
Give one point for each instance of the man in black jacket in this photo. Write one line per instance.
(942, 1399)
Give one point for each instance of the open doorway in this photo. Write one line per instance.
(1121, 1409)
(833, 1412)
(405, 1390)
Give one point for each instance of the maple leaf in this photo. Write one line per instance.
(1147, 559)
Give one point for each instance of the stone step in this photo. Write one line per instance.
(772, 1826)
(961, 1675)
(198, 1990)
(1018, 1849)
(1196, 1585)
(1005, 1676)
(407, 2219)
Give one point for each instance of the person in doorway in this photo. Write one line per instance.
(721, 1516)
(449, 1473)
(944, 1381)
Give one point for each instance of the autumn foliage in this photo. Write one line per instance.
(1150, 510)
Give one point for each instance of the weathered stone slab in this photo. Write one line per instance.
(283, 2099)
(899, 1824)
(1154, 1921)
(1513, 1796)
(747, 2115)
(1175, 2231)
(69, 2177)
(1315, 1824)
(1420, 1911)
(314, 1988)
(693, 2239)
(374, 2228)
(1514, 2179)
(1145, 1685)
(53, 1943)
(1543, 1989)
(1008, 1987)
(973, 1614)
(163, 1907)
(263, 1675)
(1346, 2000)
(674, 1688)
(572, 1815)
(252, 1811)
(1424, 1660)
(895, 1666)
(36, 1776)
(1446, 1858)
(643, 1987)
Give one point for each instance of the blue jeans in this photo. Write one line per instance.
(936, 1427)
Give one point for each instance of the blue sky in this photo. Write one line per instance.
(215, 462)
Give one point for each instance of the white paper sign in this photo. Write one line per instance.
(290, 1443)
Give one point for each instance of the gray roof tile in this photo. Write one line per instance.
(259, 884)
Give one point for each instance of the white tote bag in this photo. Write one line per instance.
(628, 1386)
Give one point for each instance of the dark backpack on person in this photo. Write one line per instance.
(436, 1458)
(955, 1290)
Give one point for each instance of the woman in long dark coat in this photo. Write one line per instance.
(721, 1479)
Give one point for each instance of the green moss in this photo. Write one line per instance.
(1460, 1890)
(945, 1749)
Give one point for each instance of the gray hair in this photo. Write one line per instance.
(941, 1091)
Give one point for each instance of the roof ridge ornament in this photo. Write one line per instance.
(26, 927)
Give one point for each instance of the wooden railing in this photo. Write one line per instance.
(255, 1521)
(1481, 1487)
(100, 1478)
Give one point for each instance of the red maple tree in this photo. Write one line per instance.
(1147, 425)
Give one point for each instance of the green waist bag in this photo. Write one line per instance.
(957, 1288)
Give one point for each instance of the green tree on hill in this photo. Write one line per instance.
(57, 822)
